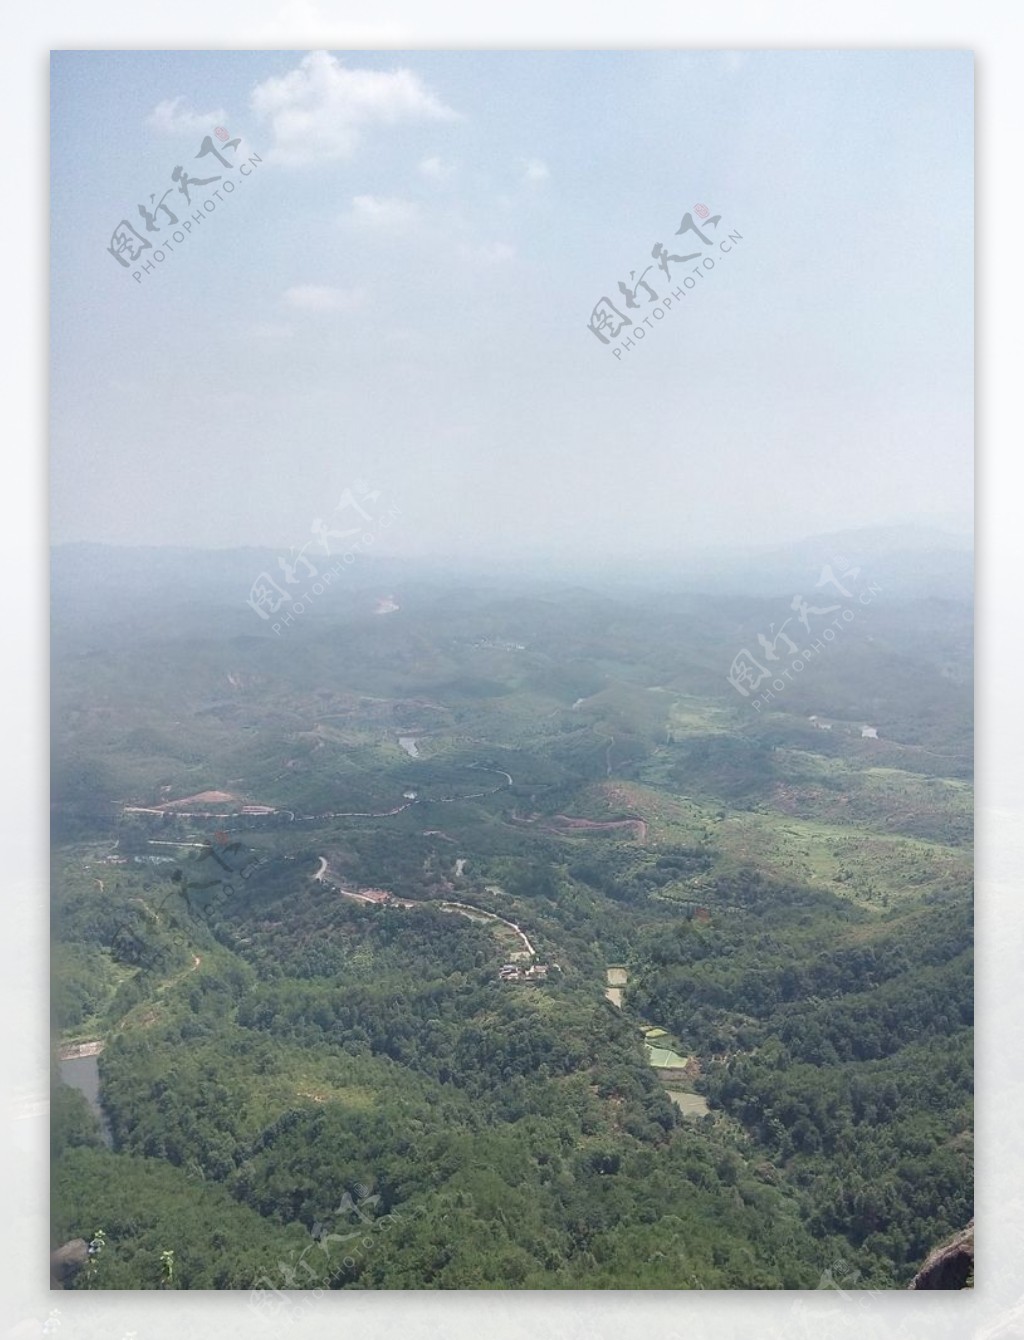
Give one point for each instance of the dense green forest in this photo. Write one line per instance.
(287, 928)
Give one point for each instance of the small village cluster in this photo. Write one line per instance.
(515, 972)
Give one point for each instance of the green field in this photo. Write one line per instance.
(664, 1056)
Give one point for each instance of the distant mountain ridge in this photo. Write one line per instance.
(907, 561)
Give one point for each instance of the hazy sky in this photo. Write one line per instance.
(400, 293)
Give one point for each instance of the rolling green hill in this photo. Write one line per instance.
(288, 871)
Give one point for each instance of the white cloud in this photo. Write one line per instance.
(321, 110)
(171, 118)
(322, 298)
(382, 214)
(535, 170)
(435, 169)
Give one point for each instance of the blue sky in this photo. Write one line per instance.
(400, 293)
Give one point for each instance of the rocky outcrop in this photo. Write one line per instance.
(950, 1266)
(66, 1261)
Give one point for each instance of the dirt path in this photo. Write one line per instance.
(562, 822)
(387, 814)
(149, 1005)
(446, 905)
(467, 908)
(248, 812)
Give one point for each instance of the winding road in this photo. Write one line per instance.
(329, 814)
(446, 905)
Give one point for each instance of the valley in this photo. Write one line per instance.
(507, 917)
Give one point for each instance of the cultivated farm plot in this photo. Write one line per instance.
(690, 1104)
(857, 864)
(690, 715)
(665, 1057)
(887, 800)
(670, 819)
(616, 977)
(855, 860)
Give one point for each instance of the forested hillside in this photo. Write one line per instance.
(497, 941)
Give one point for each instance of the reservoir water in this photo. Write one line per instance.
(83, 1073)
